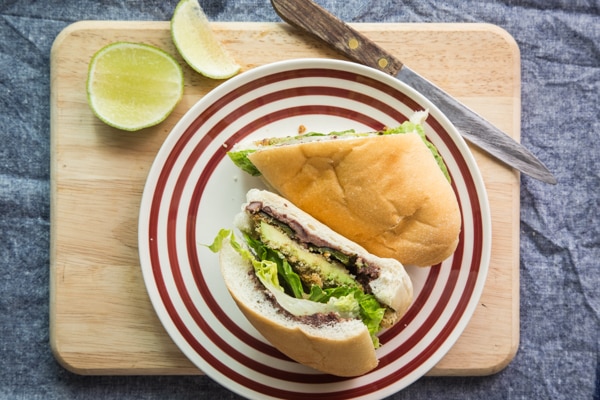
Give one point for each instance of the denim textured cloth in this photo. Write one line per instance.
(559, 350)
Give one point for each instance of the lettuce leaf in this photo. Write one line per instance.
(369, 310)
(290, 279)
(240, 159)
(276, 274)
(267, 272)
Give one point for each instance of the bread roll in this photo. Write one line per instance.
(327, 341)
(385, 192)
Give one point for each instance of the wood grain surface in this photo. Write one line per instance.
(101, 319)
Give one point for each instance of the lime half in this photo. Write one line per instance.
(198, 44)
(131, 86)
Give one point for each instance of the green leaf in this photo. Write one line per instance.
(240, 158)
(275, 272)
(286, 278)
(371, 314)
(217, 243)
(370, 311)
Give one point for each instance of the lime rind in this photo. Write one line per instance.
(132, 86)
(197, 43)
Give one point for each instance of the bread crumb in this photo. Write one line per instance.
(301, 129)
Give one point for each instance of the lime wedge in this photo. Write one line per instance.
(197, 43)
(131, 86)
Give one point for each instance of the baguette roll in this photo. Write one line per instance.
(330, 334)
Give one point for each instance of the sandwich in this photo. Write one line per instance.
(316, 296)
(389, 190)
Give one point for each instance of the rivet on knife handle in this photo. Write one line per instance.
(312, 18)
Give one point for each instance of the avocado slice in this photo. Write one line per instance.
(313, 268)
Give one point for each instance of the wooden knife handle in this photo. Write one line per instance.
(315, 20)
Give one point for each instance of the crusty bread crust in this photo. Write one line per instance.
(384, 192)
(343, 349)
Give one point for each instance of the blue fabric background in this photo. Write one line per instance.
(559, 40)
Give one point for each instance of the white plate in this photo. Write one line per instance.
(193, 190)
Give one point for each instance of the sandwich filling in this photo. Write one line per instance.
(308, 277)
(239, 154)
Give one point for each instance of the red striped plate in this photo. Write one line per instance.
(193, 190)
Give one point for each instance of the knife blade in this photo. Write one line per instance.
(315, 20)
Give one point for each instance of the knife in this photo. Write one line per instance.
(315, 20)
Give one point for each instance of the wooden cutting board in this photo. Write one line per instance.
(101, 319)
